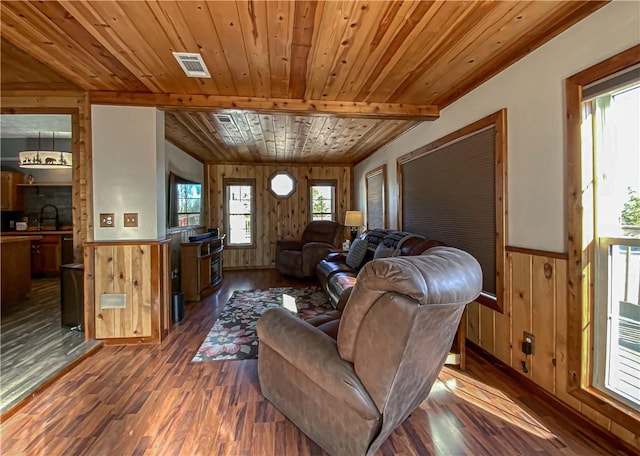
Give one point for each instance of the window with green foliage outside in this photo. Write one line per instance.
(322, 197)
(185, 202)
(189, 197)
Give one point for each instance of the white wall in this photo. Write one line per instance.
(161, 181)
(182, 164)
(532, 90)
(129, 171)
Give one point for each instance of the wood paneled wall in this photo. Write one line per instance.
(274, 218)
(536, 302)
(141, 271)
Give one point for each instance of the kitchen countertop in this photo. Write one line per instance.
(34, 232)
(7, 239)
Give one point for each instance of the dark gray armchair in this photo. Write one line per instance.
(394, 336)
(300, 258)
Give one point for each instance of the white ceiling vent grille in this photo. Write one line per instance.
(192, 64)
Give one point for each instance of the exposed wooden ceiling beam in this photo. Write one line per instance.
(355, 109)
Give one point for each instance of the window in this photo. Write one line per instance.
(610, 136)
(239, 210)
(322, 197)
(376, 186)
(282, 184)
(603, 180)
(453, 191)
(185, 202)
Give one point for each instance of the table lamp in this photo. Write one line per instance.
(354, 219)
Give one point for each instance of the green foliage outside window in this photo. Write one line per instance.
(189, 198)
(322, 202)
(631, 212)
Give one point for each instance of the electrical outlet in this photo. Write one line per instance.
(107, 220)
(528, 343)
(130, 219)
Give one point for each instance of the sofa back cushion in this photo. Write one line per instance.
(356, 253)
(440, 276)
(323, 231)
(382, 251)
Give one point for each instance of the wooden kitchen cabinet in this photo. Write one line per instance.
(9, 198)
(46, 256)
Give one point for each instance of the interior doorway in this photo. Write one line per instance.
(35, 345)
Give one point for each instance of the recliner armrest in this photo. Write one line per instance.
(291, 244)
(336, 257)
(315, 354)
(312, 254)
(317, 246)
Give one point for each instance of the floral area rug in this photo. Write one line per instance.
(233, 335)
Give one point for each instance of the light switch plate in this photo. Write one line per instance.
(130, 219)
(107, 220)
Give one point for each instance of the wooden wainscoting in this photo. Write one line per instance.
(141, 271)
(275, 218)
(536, 302)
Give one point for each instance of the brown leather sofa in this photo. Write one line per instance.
(300, 258)
(396, 330)
(337, 278)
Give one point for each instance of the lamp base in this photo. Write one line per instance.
(354, 233)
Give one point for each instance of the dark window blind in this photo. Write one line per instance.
(375, 201)
(449, 195)
(626, 77)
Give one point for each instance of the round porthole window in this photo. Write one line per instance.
(282, 184)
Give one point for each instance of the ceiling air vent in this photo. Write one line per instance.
(192, 64)
(223, 118)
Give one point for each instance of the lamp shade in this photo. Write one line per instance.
(354, 218)
(44, 159)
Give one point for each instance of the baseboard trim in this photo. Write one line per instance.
(19, 405)
(620, 445)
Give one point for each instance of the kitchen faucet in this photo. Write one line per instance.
(43, 218)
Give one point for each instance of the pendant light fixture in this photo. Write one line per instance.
(45, 159)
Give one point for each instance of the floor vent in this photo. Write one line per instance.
(192, 64)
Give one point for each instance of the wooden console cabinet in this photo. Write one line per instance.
(201, 266)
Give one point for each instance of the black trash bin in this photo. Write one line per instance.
(72, 295)
(177, 307)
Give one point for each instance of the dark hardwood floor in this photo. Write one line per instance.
(151, 400)
(34, 347)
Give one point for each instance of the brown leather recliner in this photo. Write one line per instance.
(300, 258)
(396, 330)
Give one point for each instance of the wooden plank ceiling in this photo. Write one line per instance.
(292, 81)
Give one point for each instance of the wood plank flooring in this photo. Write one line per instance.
(34, 346)
(150, 400)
